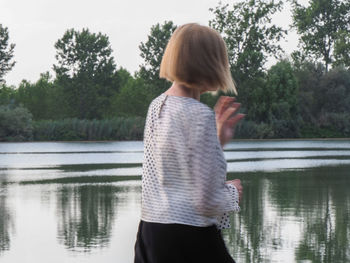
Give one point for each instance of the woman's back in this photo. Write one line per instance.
(182, 153)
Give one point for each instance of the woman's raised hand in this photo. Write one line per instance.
(227, 118)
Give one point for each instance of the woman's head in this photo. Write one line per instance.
(196, 56)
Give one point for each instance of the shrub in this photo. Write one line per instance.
(15, 123)
(251, 130)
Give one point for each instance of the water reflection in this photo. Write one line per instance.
(246, 236)
(86, 215)
(85, 197)
(6, 221)
(293, 216)
(326, 230)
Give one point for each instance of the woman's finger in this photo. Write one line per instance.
(222, 104)
(230, 112)
(218, 105)
(235, 119)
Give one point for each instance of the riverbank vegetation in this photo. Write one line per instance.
(305, 94)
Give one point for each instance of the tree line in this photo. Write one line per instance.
(304, 94)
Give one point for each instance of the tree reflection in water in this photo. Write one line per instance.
(247, 235)
(85, 215)
(326, 213)
(315, 203)
(6, 221)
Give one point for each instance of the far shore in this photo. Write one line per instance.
(235, 140)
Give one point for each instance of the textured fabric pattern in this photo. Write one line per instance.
(184, 169)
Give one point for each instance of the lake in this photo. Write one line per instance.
(80, 201)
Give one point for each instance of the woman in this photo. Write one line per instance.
(185, 196)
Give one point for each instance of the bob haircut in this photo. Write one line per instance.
(196, 55)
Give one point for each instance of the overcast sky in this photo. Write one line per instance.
(35, 26)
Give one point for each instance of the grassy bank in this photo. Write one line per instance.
(132, 128)
(89, 130)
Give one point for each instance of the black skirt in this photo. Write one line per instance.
(177, 243)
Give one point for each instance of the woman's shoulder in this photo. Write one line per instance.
(201, 112)
(184, 108)
(192, 105)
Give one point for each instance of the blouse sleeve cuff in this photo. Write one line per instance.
(234, 198)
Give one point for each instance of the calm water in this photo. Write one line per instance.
(80, 202)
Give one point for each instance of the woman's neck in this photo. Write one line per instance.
(182, 91)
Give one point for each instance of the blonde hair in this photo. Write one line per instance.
(197, 55)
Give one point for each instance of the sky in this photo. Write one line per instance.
(35, 26)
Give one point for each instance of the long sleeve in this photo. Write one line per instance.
(209, 170)
(224, 219)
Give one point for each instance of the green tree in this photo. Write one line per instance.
(152, 52)
(323, 100)
(37, 97)
(250, 38)
(342, 49)
(334, 91)
(319, 25)
(7, 95)
(334, 102)
(6, 53)
(308, 75)
(85, 72)
(249, 35)
(15, 123)
(280, 99)
(133, 98)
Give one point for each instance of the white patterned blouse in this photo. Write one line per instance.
(184, 169)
